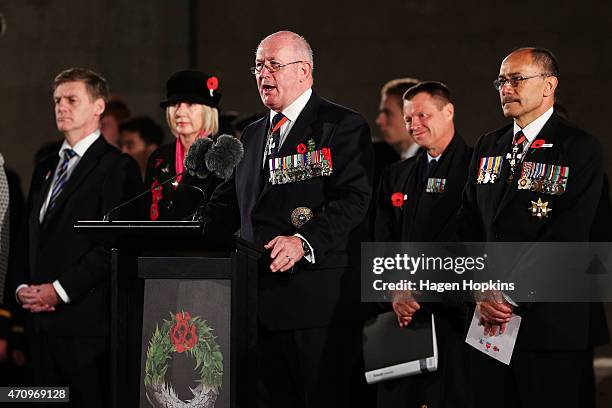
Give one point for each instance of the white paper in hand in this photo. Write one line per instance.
(499, 347)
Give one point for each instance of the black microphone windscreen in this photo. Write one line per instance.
(224, 156)
(195, 159)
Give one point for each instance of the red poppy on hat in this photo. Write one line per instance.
(212, 83)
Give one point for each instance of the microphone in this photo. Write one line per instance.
(195, 160)
(203, 157)
(224, 155)
(194, 165)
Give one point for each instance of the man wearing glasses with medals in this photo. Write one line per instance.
(538, 179)
(301, 192)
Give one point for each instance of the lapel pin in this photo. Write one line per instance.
(398, 199)
(540, 143)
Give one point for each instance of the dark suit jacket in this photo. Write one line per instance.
(498, 212)
(427, 217)
(317, 294)
(424, 217)
(384, 156)
(102, 179)
(175, 203)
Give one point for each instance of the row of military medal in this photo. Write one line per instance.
(538, 177)
(301, 166)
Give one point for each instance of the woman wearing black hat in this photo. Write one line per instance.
(191, 113)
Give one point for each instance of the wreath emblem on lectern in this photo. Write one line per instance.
(183, 334)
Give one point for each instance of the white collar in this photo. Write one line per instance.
(82, 145)
(292, 111)
(430, 158)
(533, 129)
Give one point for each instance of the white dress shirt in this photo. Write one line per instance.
(292, 112)
(532, 130)
(80, 148)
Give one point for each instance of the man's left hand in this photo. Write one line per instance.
(286, 252)
(47, 295)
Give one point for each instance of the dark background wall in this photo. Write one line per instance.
(358, 46)
(134, 44)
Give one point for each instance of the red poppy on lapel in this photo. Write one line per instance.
(158, 162)
(538, 143)
(156, 196)
(397, 199)
(301, 148)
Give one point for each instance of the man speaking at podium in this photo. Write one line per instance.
(64, 281)
(301, 191)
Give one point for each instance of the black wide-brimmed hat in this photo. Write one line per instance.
(192, 86)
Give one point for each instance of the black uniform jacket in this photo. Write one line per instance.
(327, 291)
(427, 216)
(500, 212)
(423, 216)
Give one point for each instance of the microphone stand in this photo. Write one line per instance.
(131, 200)
(194, 216)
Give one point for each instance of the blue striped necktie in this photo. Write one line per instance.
(62, 177)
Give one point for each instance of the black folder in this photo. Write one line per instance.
(391, 351)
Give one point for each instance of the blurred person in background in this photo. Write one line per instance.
(116, 112)
(397, 143)
(139, 137)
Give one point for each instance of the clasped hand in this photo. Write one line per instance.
(404, 306)
(38, 298)
(495, 312)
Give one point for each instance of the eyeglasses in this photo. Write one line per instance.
(515, 80)
(272, 68)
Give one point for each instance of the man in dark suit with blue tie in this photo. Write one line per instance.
(64, 280)
(301, 191)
